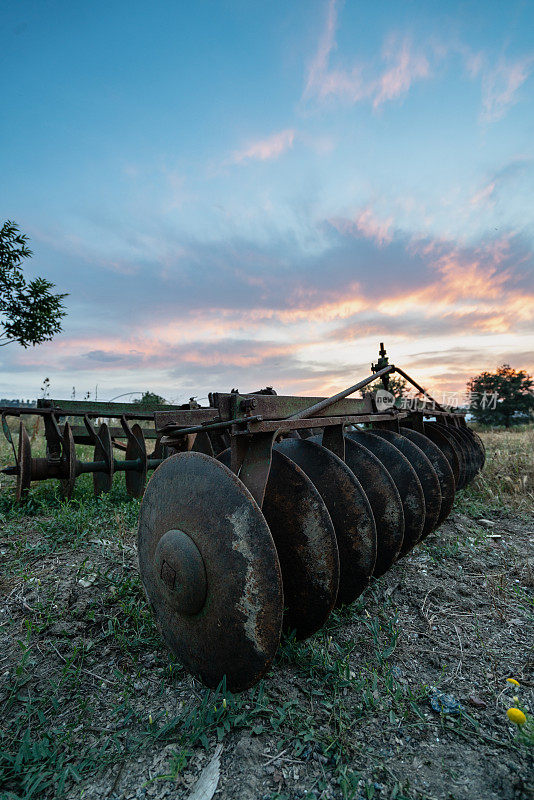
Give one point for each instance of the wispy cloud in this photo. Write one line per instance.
(327, 42)
(403, 65)
(500, 86)
(266, 149)
(484, 195)
(497, 179)
(367, 224)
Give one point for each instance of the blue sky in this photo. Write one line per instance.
(241, 194)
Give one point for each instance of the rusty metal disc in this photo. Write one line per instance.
(306, 543)
(441, 466)
(449, 432)
(210, 570)
(102, 481)
(447, 447)
(425, 472)
(473, 452)
(466, 445)
(385, 501)
(202, 444)
(136, 451)
(384, 498)
(406, 481)
(220, 441)
(477, 450)
(24, 458)
(479, 444)
(349, 511)
(68, 463)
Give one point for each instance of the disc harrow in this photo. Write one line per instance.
(264, 512)
(61, 461)
(273, 510)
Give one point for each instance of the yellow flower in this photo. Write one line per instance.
(515, 698)
(516, 715)
(150, 718)
(513, 681)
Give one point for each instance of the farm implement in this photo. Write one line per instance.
(285, 510)
(130, 436)
(270, 510)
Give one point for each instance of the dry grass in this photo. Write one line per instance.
(508, 476)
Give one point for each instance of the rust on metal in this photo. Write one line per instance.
(306, 544)
(24, 463)
(237, 631)
(441, 467)
(385, 502)
(425, 472)
(349, 510)
(68, 471)
(102, 481)
(447, 447)
(136, 451)
(406, 481)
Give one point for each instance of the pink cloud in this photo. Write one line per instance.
(500, 86)
(319, 65)
(484, 195)
(404, 66)
(467, 283)
(368, 225)
(265, 149)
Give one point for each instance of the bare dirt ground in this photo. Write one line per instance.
(93, 706)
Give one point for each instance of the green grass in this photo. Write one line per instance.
(66, 720)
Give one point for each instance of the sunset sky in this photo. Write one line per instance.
(241, 194)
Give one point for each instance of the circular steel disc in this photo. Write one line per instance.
(136, 450)
(476, 443)
(441, 466)
(306, 544)
(384, 498)
(474, 452)
(468, 450)
(220, 441)
(202, 444)
(349, 511)
(102, 481)
(447, 447)
(68, 463)
(237, 631)
(425, 472)
(385, 501)
(480, 445)
(450, 433)
(160, 451)
(25, 463)
(406, 481)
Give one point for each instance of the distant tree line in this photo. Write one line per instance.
(4, 401)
